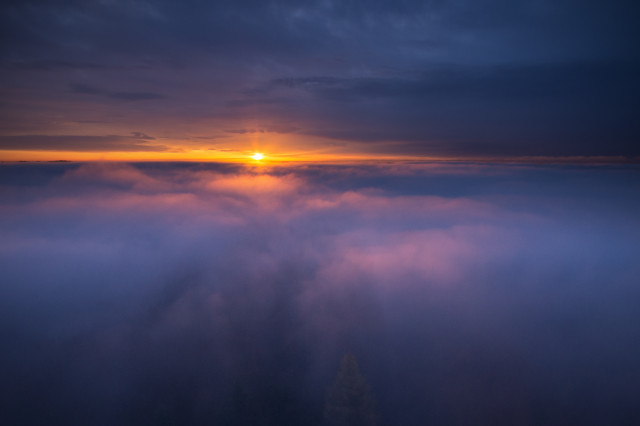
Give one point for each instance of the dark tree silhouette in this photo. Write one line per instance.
(349, 400)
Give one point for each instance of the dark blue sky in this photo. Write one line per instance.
(431, 78)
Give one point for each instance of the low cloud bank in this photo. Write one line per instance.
(219, 294)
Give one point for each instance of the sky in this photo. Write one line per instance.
(319, 80)
(206, 205)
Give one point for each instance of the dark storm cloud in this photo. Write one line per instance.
(509, 110)
(454, 77)
(136, 96)
(221, 294)
(50, 65)
(125, 96)
(499, 83)
(135, 142)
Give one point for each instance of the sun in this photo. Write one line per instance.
(258, 156)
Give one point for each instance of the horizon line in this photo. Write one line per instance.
(274, 160)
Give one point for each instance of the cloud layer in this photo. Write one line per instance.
(220, 294)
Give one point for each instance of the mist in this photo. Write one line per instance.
(221, 294)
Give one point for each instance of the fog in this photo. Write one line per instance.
(217, 294)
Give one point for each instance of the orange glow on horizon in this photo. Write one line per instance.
(248, 149)
(236, 156)
(274, 159)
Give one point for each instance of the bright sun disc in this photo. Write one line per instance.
(257, 156)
